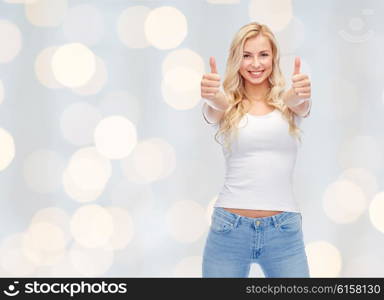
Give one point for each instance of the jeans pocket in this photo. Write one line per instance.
(291, 224)
(220, 224)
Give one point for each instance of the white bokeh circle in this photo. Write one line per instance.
(130, 27)
(276, 14)
(376, 212)
(115, 137)
(186, 221)
(92, 226)
(7, 149)
(10, 41)
(46, 13)
(165, 27)
(324, 259)
(344, 201)
(73, 65)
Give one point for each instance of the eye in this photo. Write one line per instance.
(246, 55)
(265, 54)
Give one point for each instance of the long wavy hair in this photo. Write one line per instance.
(234, 89)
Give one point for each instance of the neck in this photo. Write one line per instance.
(257, 92)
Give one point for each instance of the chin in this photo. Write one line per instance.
(257, 80)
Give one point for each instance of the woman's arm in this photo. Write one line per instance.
(298, 97)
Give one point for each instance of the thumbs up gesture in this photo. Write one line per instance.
(301, 85)
(210, 83)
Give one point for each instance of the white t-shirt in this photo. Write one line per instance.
(259, 170)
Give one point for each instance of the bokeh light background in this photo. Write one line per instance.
(107, 167)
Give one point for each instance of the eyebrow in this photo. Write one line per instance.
(260, 51)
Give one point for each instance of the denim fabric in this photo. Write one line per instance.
(234, 242)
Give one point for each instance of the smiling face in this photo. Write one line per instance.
(257, 60)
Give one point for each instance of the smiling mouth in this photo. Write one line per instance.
(256, 74)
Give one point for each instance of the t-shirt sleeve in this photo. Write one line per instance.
(308, 112)
(299, 119)
(205, 118)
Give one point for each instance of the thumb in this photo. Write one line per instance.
(212, 63)
(297, 66)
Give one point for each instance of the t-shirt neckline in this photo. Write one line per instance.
(262, 116)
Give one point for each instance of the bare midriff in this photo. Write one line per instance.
(253, 213)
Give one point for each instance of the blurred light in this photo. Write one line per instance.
(91, 262)
(43, 68)
(12, 258)
(78, 122)
(186, 221)
(115, 137)
(182, 71)
(181, 79)
(36, 12)
(65, 268)
(84, 23)
(45, 236)
(344, 201)
(185, 58)
(87, 174)
(44, 243)
(130, 27)
(189, 267)
(92, 226)
(324, 259)
(73, 65)
(376, 212)
(123, 228)
(151, 160)
(97, 81)
(10, 41)
(81, 167)
(276, 14)
(7, 150)
(166, 27)
(55, 216)
(181, 100)
(43, 170)
(77, 193)
(363, 178)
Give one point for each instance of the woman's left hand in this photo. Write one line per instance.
(301, 85)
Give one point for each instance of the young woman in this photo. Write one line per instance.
(256, 218)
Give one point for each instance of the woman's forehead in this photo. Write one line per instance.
(257, 44)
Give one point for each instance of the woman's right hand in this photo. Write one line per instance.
(210, 83)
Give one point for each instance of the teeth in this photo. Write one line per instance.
(257, 73)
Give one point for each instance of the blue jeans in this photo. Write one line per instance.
(234, 242)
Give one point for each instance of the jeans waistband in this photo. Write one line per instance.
(274, 220)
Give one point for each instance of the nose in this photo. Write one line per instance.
(256, 63)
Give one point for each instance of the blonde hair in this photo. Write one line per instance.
(234, 89)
